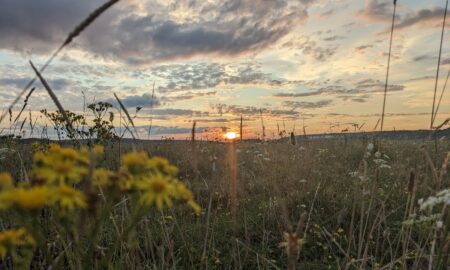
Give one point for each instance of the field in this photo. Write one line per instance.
(84, 189)
(318, 204)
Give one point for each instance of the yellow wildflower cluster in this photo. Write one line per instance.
(10, 239)
(154, 179)
(58, 172)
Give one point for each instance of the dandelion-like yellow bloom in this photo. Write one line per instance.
(162, 165)
(183, 193)
(5, 181)
(11, 238)
(60, 165)
(101, 177)
(135, 163)
(156, 190)
(27, 198)
(69, 198)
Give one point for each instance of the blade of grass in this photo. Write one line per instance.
(127, 114)
(54, 98)
(388, 67)
(438, 67)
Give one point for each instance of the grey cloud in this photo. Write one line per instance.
(306, 104)
(165, 130)
(334, 38)
(144, 100)
(211, 75)
(377, 10)
(310, 48)
(19, 83)
(188, 96)
(433, 15)
(363, 48)
(250, 110)
(220, 28)
(358, 91)
(38, 26)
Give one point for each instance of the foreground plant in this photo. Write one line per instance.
(68, 195)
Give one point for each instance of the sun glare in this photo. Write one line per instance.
(230, 135)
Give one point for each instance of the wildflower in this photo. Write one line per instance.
(27, 198)
(162, 165)
(135, 162)
(340, 231)
(9, 239)
(5, 180)
(59, 164)
(102, 177)
(157, 190)
(69, 198)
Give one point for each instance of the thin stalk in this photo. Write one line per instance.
(438, 67)
(388, 66)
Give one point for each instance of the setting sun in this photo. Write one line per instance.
(231, 135)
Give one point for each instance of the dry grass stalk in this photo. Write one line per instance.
(440, 97)
(193, 132)
(128, 116)
(388, 66)
(54, 98)
(240, 131)
(438, 68)
(25, 103)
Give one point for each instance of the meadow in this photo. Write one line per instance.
(318, 204)
(92, 195)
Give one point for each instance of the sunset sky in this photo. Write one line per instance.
(321, 63)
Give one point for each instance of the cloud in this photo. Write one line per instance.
(201, 76)
(132, 35)
(144, 100)
(19, 83)
(250, 110)
(39, 26)
(310, 48)
(165, 130)
(376, 10)
(362, 48)
(306, 105)
(188, 96)
(358, 91)
(334, 38)
(425, 17)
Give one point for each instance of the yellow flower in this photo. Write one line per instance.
(102, 177)
(183, 193)
(162, 165)
(157, 189)
(69, 198)
(340, 231)
(59, 164)
(5, 180)
(98, 150)
(135, 162)
(9, 239)
(26, 198)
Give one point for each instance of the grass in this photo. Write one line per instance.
(308, 204)
(355, 222)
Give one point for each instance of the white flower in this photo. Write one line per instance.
(370, 147)
(439, 224)
(378, 154)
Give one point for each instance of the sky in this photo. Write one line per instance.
(313, 65)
